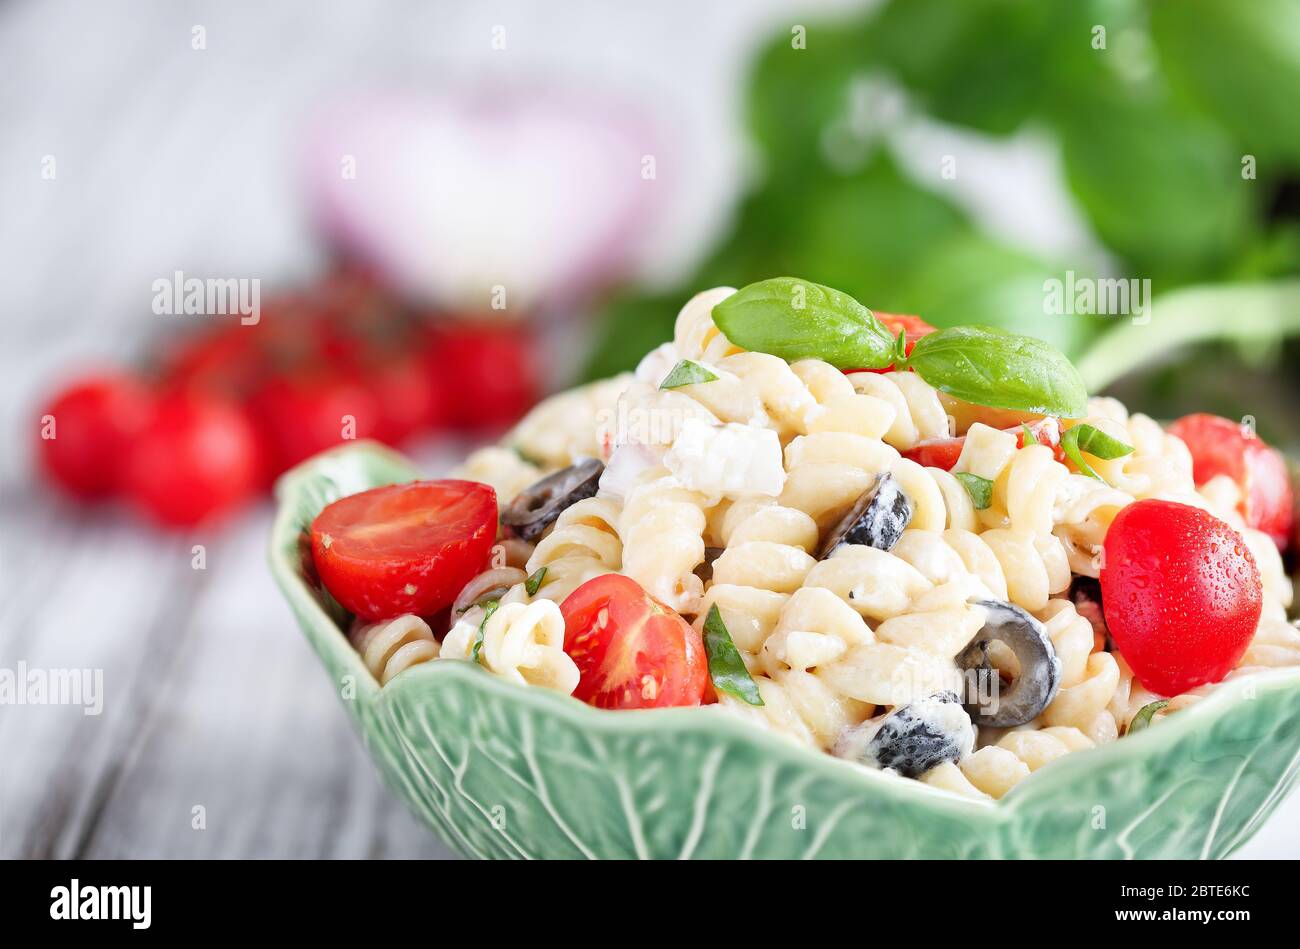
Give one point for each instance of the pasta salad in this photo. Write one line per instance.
(927, 551)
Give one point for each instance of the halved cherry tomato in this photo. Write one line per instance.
(404, 548)
(944, 452)
(631, 650)
(1220, 446)
(913, 328)
(196, 461)
(1181, 594)
(87, 430)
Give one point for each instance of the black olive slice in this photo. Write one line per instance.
(991, 703)
(877, 519)
(913, 738)
(537, 506)
(705, 570)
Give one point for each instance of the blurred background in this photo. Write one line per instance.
(425, 216)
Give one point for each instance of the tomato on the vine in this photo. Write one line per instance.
(196, 461)
(630, 649)
(88, 430)
(1181, 594)
(486, 371)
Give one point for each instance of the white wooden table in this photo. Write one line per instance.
(171, 158)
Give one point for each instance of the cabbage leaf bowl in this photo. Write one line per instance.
(500, 770)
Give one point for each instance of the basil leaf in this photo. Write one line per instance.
(1075, 441)
(489, 608)
(979, 489)
(1098, 444)
(1030, 437)
(1144, 715)
(686, 373)
(990, 367)
(796, 319)
(726, 668)
(534, 583)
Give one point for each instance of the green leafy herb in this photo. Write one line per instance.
(1075, 441)
(534, 583)
(686, 373)
(1030, 437)
(726, 668)
(979, 489)
(489, 608)
(1144, 715)
(988, 366)
(796, 319)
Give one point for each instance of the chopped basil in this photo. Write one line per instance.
(686, 373)
(1144, 715)
(489, 608)
(1084, 438)
(534, 583)
(979, 489)
(1030, 437)
(726, 667)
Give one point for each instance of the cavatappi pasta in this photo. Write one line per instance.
(723, 493)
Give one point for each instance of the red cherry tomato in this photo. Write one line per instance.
(1222, 447)
(87, 431)
(305, 413)
(195, 462)
(944, 452)
(631, 650)
(1181, 594)
(487, 372)
(406, 397)
(405, 548)
(913, 328)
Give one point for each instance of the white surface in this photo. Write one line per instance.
(174, 158)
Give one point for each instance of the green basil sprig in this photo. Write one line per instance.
(726, 667)
(534, 583)
(796, 319)
(1144, 715)
(687, 373)
(979, 489)
(1075, 441)
(489, 608)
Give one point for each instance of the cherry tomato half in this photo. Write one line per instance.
(913, 328)
(196, 461)
(404, 548)
(944, 452)
(631, 650)
(1220, 446)
(1181, 594)
(87, 430)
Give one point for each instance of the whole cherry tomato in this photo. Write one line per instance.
(87, 432)
(486, 372)
(195, 462)
(1181, 594)
(304, 413)
(404, 548)
(630, 649)
(1223, 447)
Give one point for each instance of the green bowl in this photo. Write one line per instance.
(500, 770)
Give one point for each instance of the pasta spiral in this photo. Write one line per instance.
(996, 769)
(583, 543)
(662, 529)
(522, 642)
(1089, 680)
(919, 415)
(393, 646)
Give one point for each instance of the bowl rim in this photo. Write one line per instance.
(716, 723)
